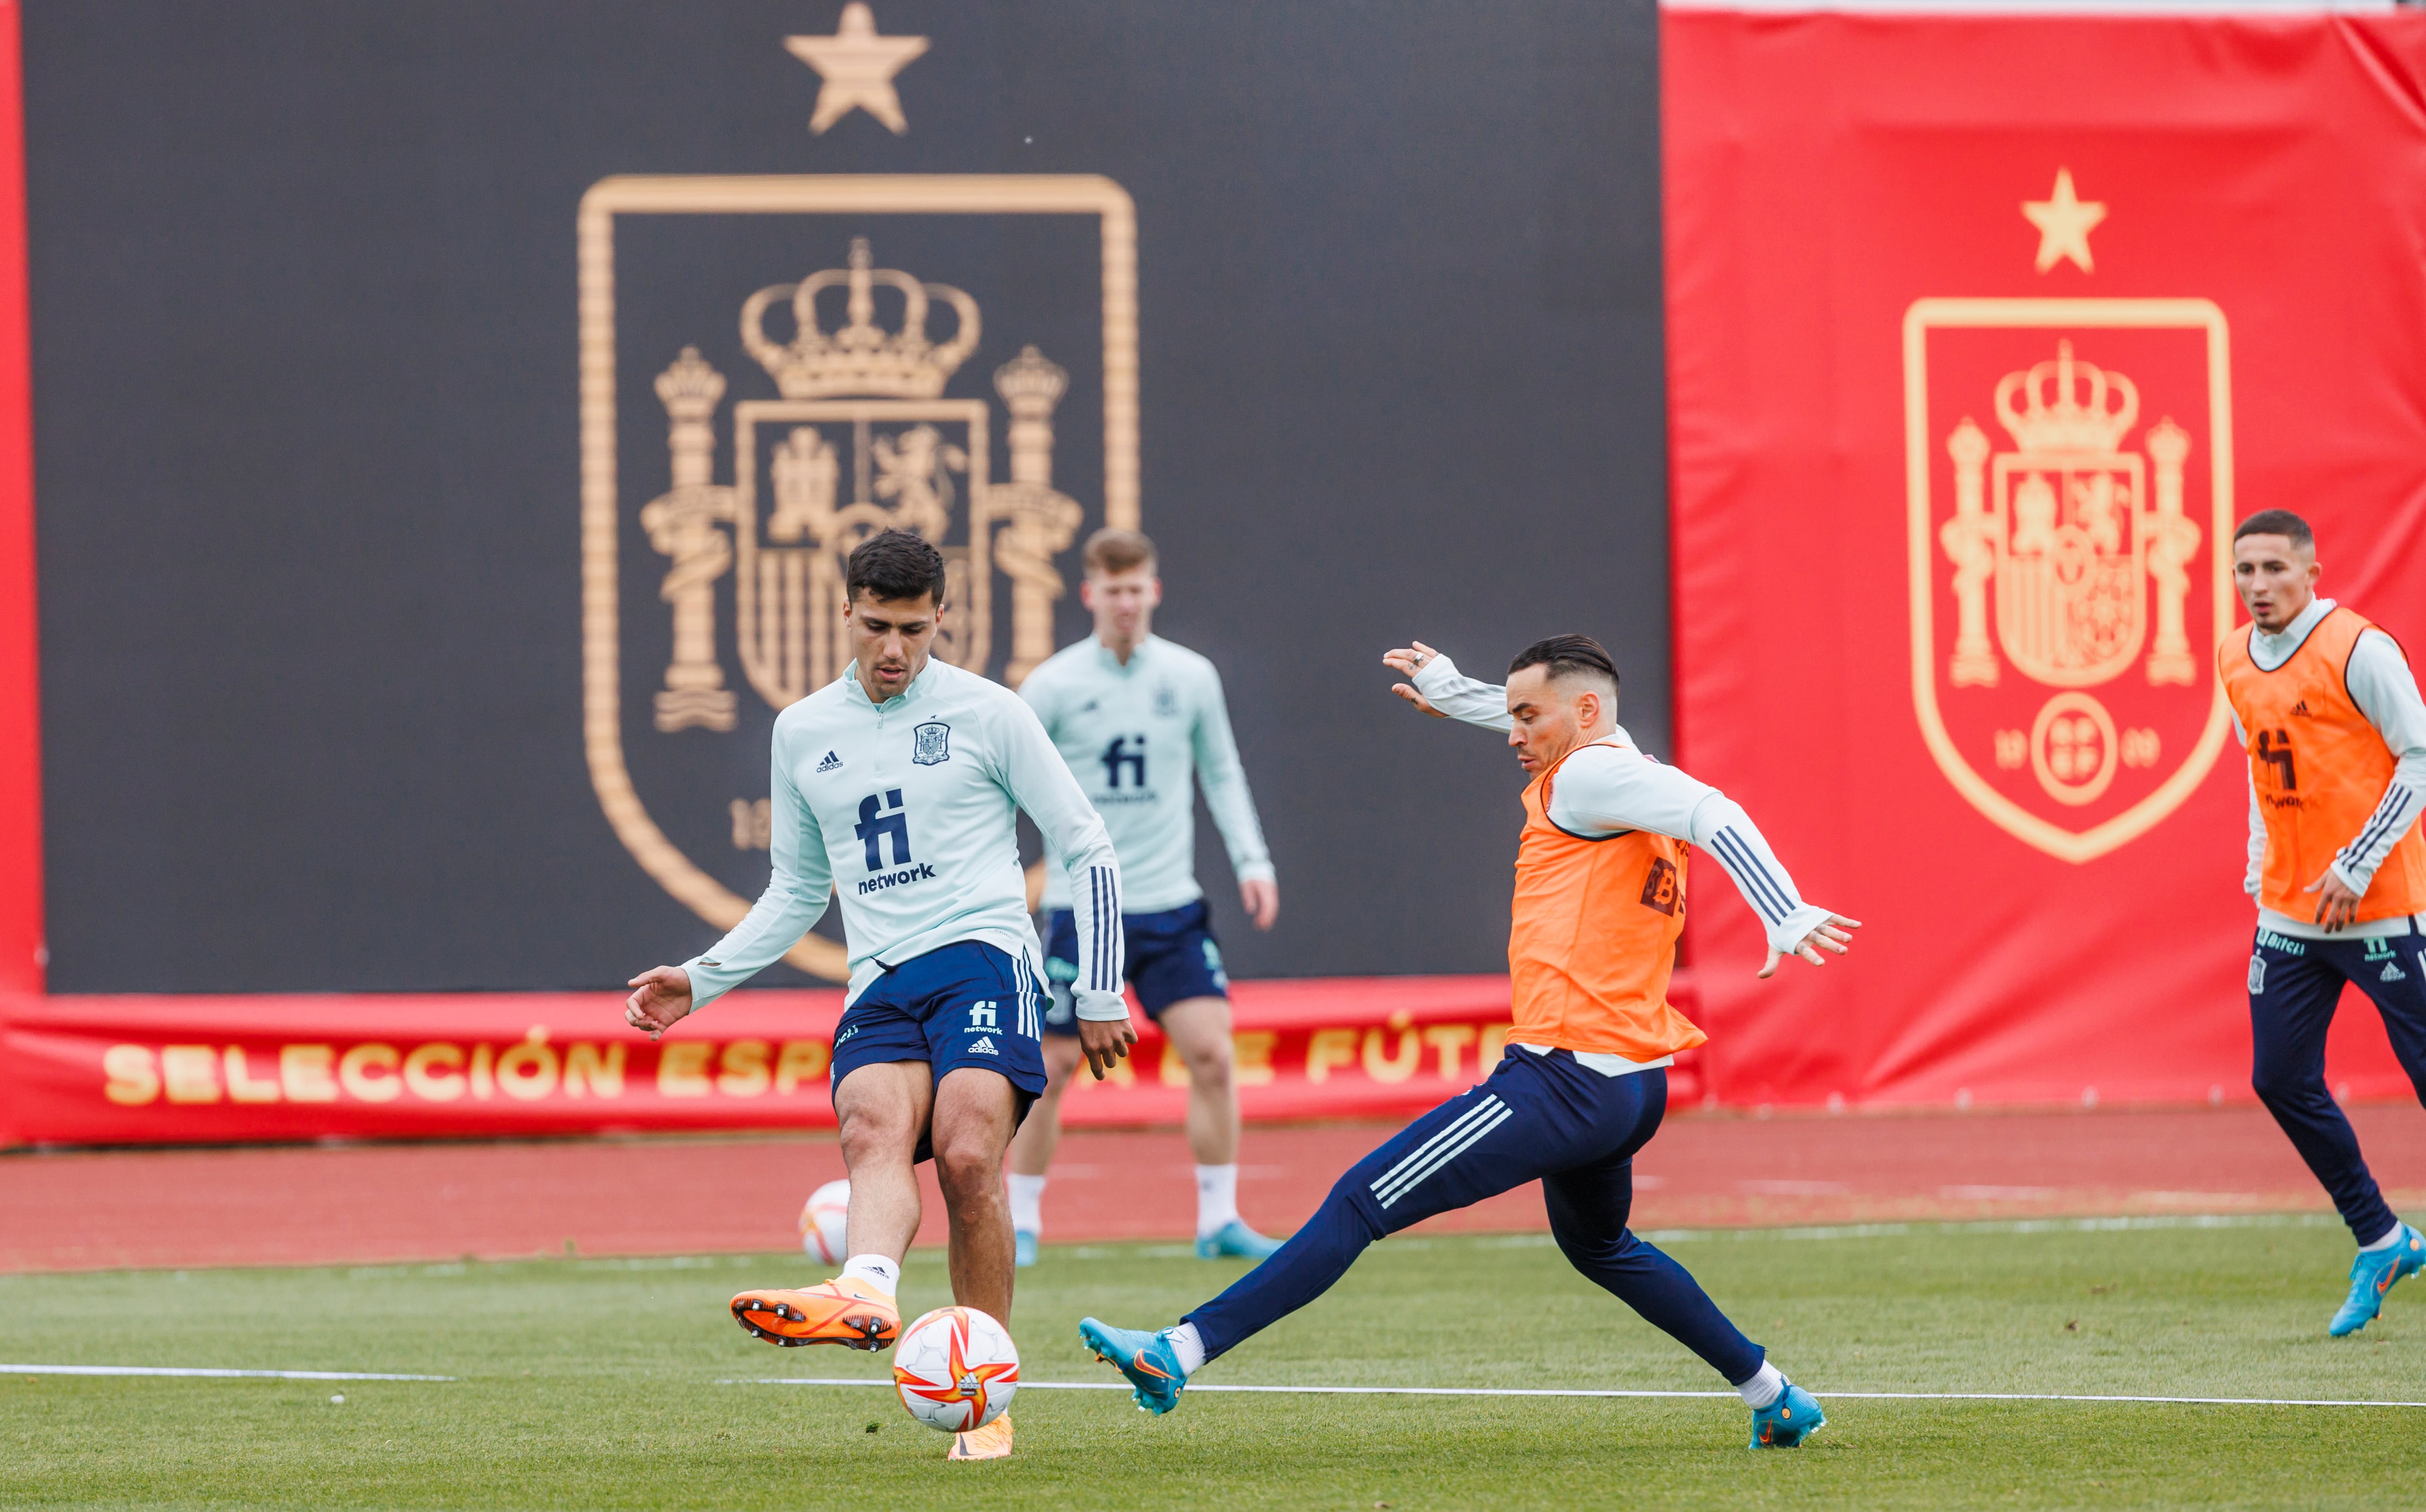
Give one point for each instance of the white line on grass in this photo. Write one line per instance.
(1518, 1390)
(216, 1375)
(2121, 1224)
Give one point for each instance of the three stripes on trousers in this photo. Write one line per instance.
(1462, 1134)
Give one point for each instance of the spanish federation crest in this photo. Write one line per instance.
(2069, 473)
(775, 367)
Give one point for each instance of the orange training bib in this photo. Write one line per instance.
(1592, 937)
(2320, 769)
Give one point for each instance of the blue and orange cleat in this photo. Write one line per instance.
(1146, 1359)
(1786, 1422)
(2372, 1274)
(1234, 1239)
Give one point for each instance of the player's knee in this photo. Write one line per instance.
(872, 1133)
(1208, 1066)
(2283, 1087)
(966, 1164)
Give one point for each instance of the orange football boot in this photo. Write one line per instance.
(842, 1311)
(992, 1442)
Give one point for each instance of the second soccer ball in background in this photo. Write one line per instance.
(822, 1223)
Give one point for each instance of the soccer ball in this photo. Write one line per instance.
(955, 1369)
(822, 1222)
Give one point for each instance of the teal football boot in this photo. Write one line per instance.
(1234, 1239)
(2372, 1274)
(1786, 1422)
(1146, 1359)
(1023, 1249)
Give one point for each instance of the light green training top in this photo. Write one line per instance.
(1139, 738)
(908, 810)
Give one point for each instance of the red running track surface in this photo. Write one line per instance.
(374, 1204)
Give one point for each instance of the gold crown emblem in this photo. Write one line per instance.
(690, 389)
(861, 358)
(2069, 405)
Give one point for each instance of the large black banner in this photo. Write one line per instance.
(449, 418)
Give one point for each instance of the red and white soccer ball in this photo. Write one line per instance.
(822, 1223)
(955, 1369)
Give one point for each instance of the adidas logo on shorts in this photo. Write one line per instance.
(2392, 972)
(829, 763)
(984, 1047)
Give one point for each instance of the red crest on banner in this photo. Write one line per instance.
(2028, 311)
(2069, 466)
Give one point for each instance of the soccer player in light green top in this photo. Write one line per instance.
(897, 786)
(1140, 721)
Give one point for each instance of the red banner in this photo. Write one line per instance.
(178, 1070)
(1983, 332)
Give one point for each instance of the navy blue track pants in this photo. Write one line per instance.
(2293, 987)
(1538, 1116)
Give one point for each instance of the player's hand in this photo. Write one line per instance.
(1411, 660)
(660, 995)
(1107, 1042)
(1262, 900)
(2339, 909)
(1833, 935)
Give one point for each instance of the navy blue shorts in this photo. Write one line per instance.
(1171, 957)
(963, 1005)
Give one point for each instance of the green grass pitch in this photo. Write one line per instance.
(596, 1384)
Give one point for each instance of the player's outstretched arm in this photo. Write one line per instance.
(798, 886)
(1439, 690)
(1607, 789)
(1792, 926)
(1039, 783)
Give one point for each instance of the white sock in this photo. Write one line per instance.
(1185, 1340)
(876, 1269)
(2391, 1235)
(1027, 1203)
(1765, 1387)
(1217, 1198)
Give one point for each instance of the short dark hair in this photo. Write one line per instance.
(895, 567)
(1112, 551)
(1569, 656)
(2278, 522)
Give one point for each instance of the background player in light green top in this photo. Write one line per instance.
(1141, 723)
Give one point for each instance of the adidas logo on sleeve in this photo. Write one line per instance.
(831, 763)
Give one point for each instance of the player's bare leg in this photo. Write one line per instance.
(975, 1113)
(973, 1122)
(1199, 1029)
(882, 1110)
(1038, 1139)
(1039, 1135)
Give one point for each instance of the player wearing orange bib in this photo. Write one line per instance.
(1600, 898)
(2326, 707)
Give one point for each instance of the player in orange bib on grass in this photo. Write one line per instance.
(2328, 711)
(1599, 901)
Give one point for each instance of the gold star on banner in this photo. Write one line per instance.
(858, 67)
(2064, 221)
